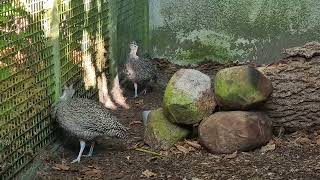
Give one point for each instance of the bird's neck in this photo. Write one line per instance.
(133, 54)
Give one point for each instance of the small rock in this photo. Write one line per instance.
(188, 97)
(241, 88)
(160, 133)
(227, 132)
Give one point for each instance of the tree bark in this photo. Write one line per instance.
(295, 101)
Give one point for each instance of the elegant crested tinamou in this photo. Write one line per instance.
(86, 120)
(139, 70)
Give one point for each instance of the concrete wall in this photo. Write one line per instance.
(188, 31)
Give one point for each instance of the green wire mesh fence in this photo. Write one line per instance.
(132, 24)
(25, 81)
(44, 44)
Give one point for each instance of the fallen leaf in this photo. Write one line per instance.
(232, 156)
(148, 173)
(303, 140)
(61, 167)
(318, 141)
(94, 173)
(191, 149)
(268, 147)
(128, 158)
(194, 144)
(182, 149)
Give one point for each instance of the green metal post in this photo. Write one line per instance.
(54, 42)
(113, 43)
(146, 36)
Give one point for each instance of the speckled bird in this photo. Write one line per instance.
(85, 119)
(139, 70)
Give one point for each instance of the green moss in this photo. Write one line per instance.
(262, 24)
(238, 89)
(161, 133)
(179, 107)
(198, 52)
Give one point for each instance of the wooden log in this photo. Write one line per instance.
(295, 101)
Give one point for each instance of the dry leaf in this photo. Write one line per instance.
(303, 140)
(232, 156)
(269, 147)
(318, 140)
(191, 149)
(128, 158)
(94, 173)
(194, 144)
(61, 167)
(182, 149)
(148, 173)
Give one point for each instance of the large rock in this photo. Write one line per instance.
(227, 132)
(241, 88)
(160, 133)
(188, 97)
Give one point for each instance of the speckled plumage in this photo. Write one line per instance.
(139, 70)
(87, 119)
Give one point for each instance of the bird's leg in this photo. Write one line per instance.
(144, 92)
(91, 150)
(135, 90)
(82, 146)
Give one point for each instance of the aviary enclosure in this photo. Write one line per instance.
(44, 45)
(47, 44)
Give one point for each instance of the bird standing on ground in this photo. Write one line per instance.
(86, 120)
(139, 70)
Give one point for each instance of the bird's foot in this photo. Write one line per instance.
(76, 160)
(87, 155)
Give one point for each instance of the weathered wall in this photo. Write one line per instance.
(188, 31)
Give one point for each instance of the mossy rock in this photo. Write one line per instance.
(160, 133)
(241, 88)
(188, 97)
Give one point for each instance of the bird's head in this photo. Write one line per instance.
(68, 92)
(133, 47)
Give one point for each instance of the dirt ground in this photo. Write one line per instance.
(294, 156)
